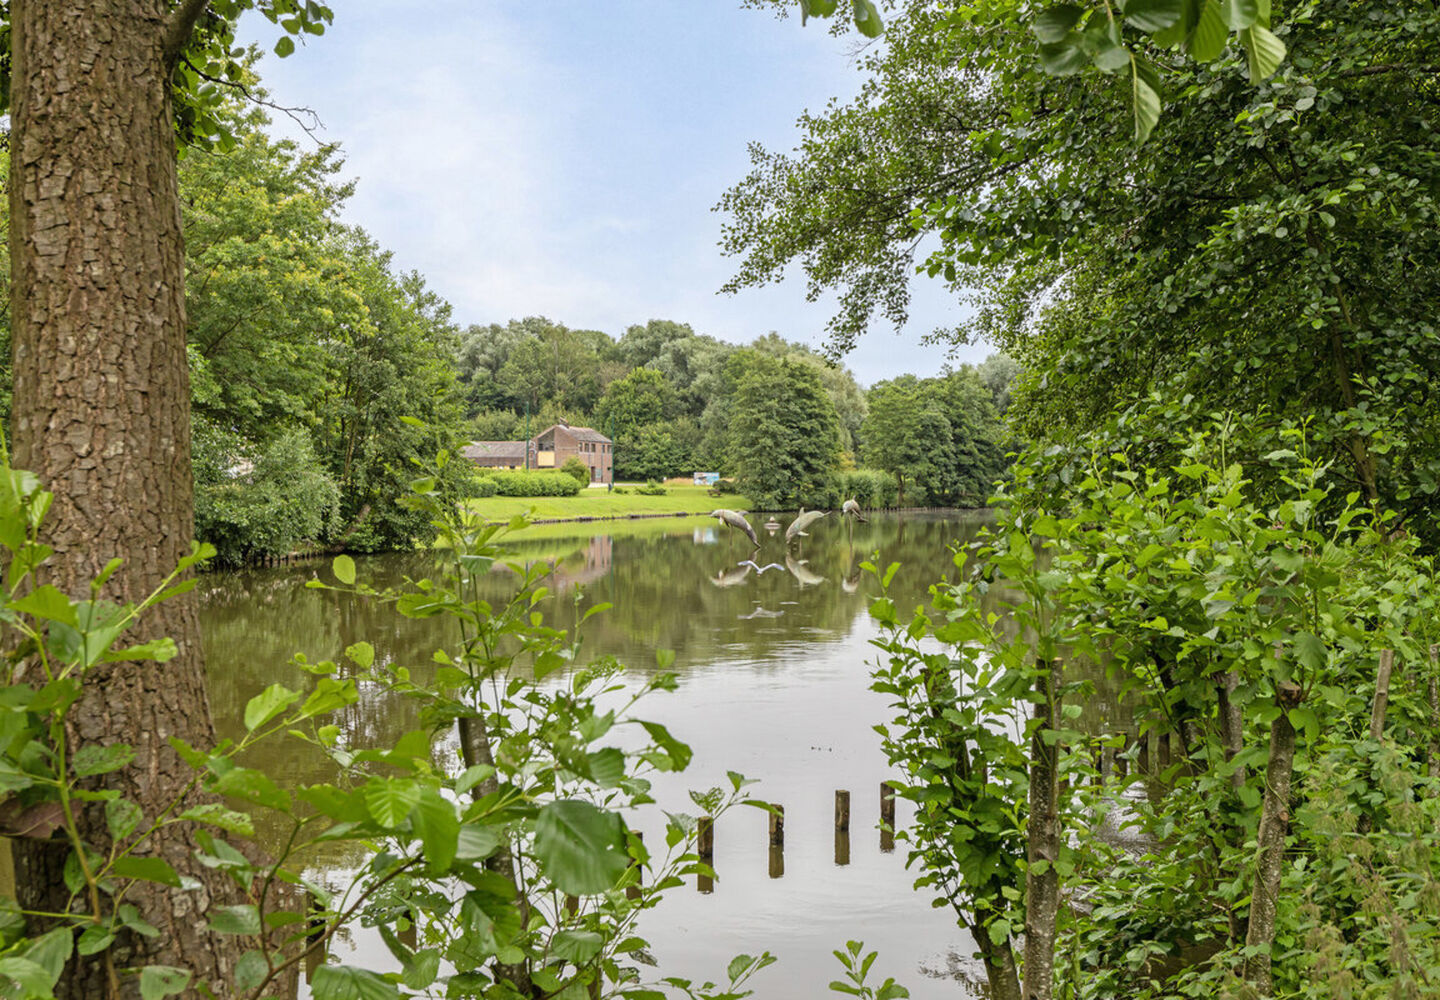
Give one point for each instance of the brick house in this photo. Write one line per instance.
(550, 449)
(558, 444)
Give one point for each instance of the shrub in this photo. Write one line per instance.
(482, 486)
(621, 489)
(577, 470)
(255, 502)
(534, 484)
(651, 489)
(870, 487)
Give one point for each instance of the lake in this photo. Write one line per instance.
(773, 670)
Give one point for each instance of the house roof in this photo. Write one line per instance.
(494, 449)
(578, 433)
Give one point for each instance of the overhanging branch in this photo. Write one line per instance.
(180, 26)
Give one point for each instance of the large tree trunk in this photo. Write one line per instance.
(101, 414)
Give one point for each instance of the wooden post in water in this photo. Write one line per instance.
(887, 817)
(842, 810)
(315, 930)
(777, 861)
(705, 847)
(777, 825)
(842, 848)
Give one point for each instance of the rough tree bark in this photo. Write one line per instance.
(1274, 826)
(1042, 889)
(101, 414)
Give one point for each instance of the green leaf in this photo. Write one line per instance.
(216, 815)
(1144, 103)
(50, 952)
(240, 919)
(344, 569)
(1310, 651)
(122, 817)
(268, 704)
(91, 759)
(1263, 52)
(362, 654)
(160, 981)
(251, 970)
(1151, 16)
(94, 939)
(1208, 39)
(146, 869)
(284, 46)
(477, 842)
(577, 946)
(250, 785)
(46, 602)
(581, 847)
(867, 19)
(438, 827)
(1240, 14)
(339, 982)
(1064, 58)
(390, 800)
(1054, 23)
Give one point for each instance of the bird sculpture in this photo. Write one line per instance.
(759, 570)
(737, 521)
(803, 521)
(852, 508)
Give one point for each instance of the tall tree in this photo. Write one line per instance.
(784, 436)
(101, 405)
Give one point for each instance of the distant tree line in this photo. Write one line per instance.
(307, 347)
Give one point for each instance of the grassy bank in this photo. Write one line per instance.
(603, 504)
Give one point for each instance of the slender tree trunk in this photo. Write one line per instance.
(1042, 890)
(1232, 725)
(1432, 748)
(101, 415)
(1274, 825)
(475, 749)
(999, 961)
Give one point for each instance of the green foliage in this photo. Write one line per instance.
(252, 503)
(870, 488)
(534, 484)
(542, 781)
(784, 437)
(651, 489)
(857, 964)
(1188, 595)
(577, 470)
(482, 486)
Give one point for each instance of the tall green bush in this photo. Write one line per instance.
(870, 488)
(255, 503)
(548, 483)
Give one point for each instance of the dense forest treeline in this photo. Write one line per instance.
(307, 347)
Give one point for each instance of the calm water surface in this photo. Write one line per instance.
(773, 683)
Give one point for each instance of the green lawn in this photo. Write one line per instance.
(600, 503)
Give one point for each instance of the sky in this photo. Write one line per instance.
(563, 158)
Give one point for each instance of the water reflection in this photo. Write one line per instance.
(773, 684)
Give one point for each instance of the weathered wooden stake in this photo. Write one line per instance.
(705, 839)
(842, 848)
(777, 861)
(1382, 693)
(777, 825)
(315, 930)
(705, 847)
(842, 810)
(887, 817)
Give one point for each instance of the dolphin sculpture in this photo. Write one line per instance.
(737, 521)
(852, 508)
(803, 521)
